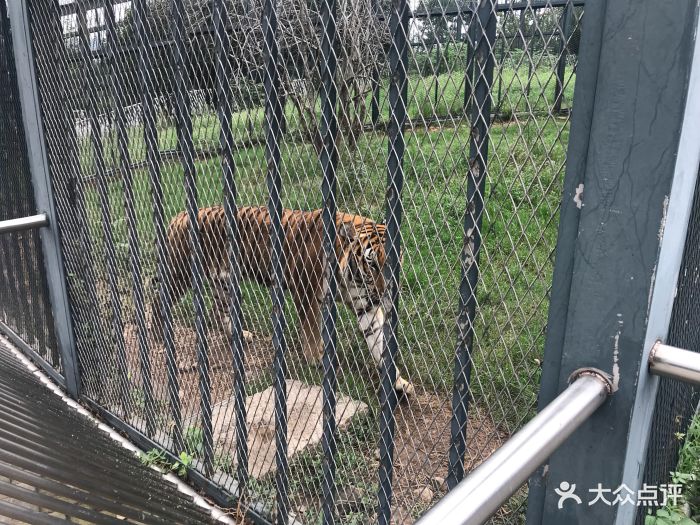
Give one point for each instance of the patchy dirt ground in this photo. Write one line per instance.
(258, 363)
(422, 422)
(422, 445)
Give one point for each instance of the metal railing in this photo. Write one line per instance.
(483, 491)
(24, 223)
(676, 363)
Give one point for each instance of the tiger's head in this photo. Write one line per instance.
(361, 262)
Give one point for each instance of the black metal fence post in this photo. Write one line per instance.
(86, 304)
(124, 162)
(376, 78)
(273, 117)
(223, 96)
(142, 32)
(103, 191)
(329, 162)
(484, 41)
(43, 193)
(565, 27)
(469, 64)
(183, 119)
(398, 94)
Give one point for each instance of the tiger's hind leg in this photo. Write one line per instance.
(308, 309)
(222, 300)
(177, 285)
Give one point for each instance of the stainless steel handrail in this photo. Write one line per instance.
(24, 223)
(481, 493)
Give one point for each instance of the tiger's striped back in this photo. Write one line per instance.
(303, 231)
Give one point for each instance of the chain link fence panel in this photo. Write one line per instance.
(24, 300)
(223, 171)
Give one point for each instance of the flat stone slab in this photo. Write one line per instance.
(304, 423)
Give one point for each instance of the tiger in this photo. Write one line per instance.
(359, 249)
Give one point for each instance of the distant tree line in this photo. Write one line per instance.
(361, 49)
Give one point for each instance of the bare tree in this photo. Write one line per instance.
(362, 37)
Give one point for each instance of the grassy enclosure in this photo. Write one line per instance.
(526, 161)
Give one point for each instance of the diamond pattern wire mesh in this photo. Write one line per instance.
(24, 303)
(133, 96)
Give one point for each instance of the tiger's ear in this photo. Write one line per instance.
(346, 231)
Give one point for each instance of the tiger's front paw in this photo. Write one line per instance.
(404, 387)
(245, 334)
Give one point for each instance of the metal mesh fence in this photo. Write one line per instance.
(25, 309)
(189, 144)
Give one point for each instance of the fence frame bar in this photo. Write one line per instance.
(483, 62)
(329, 162)
(273, 134)
(376, 80)
(140, 8)
(621, 153)
(91, 310)
(106, 215)
(223, 67)
(183, 119)
(24, 223)
(398, 93)
(43, 194)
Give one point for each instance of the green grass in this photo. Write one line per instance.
(687, 474)
(431, 97)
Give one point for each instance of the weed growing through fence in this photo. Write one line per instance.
(157, 458)
(194, 441)
(687, 474)
(154, 458)
(183, 464)
(224, 462)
